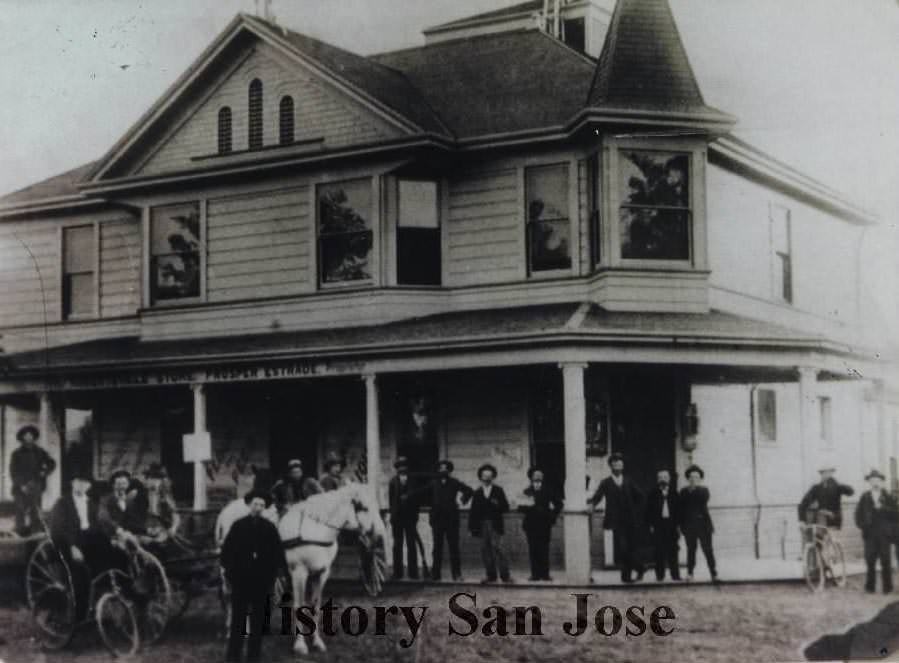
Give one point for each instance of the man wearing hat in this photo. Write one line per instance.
(160, 512)
(662, 508)
(252, 556)
(876, 515)
(824, 499)
(624, 506)
(696, 522)
(485, 520)
(29, 466)
(332, 479)
(541, 509)
(293, 487)
(119, 516)
(403, 500)
(446, 492)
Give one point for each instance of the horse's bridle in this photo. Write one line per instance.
(358, 507)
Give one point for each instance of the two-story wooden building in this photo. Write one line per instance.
(526, 242)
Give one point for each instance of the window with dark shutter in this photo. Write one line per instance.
(254, 106)
(418, 233)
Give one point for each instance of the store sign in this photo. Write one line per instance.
(197, 447)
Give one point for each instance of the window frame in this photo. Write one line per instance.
(255, 116)
(573, 217)
(221, 134)
(439, 202)
(781, 261)
(825, 421)
(147, 220)
(282, 116)
(61, 244)
(761, 438)
(375, 230)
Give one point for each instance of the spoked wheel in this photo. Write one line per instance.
(373, 567)
(117, 624)
(834, 562)
(152, 594)
(54, 614)
(814, 567)
(46, 568)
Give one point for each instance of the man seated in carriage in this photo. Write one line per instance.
(155, 513)
(119, 514)
(293, 487)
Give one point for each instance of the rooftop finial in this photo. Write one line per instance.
(264, 10)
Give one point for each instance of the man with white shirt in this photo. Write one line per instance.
(876, 516)
(661, 516)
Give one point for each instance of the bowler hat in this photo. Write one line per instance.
(616, 456)
(333, 459)
(694, 468)
(261, 494)
(487, 466)
(294, 462)
(81, 474)
(875, 473)
(156, 471)
(120, 473)
(532, 471)
(28, 428)
(401, 463)
(448, 464)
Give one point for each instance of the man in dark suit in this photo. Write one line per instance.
(624, 503)
(825, 499)
(485, 521)
(541, 509)
(696, 522)
(662, 510)
(118, 516)
(403, 501)
(876, 515)
(446, 492)
(29, 466)
(252, 556)
(294, 487)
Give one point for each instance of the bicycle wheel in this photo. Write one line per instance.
(152, 593)
(117, 624)
(814, 567)
(54, 614)
(834, 562)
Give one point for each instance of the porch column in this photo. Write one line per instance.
(372, 433)
(808, 404)
(577, 518)
(200, 501)
(51, 441)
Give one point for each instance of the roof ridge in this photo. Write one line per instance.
(454, 41)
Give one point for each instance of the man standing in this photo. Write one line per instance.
(293, 487)
(541, 509)
(446, 491)
(252, 556)
(696, 522)
(29, 467)
(875, 516)
(485, 520)
(662, 510)
(403, 519)
(332, 479)
(624, 506)
(824, 498)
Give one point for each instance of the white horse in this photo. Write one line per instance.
(309, 532)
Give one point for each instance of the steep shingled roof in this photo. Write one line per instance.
(57, 186)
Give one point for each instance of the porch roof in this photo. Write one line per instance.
(572, 323)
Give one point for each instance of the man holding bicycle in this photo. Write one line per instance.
(822, 503)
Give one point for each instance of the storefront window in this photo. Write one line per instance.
(418, 234)
(175, 252)
(655, 205)
(345, 231)
(549, 228)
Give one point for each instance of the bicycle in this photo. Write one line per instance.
(822, 555)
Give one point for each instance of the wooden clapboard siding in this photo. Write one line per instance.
(29, 273)
(321, 112)
(120, 265)
(259, 244)
(485, 233)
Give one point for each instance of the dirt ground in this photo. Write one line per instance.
(730, 622)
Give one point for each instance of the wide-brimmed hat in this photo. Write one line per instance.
(81, 473)
(120, 473)
(694, 468)
(533, 470)
(261, 494)
(332, 459)
(294, 462)
(617, 455)
(28, 428)
(875, 473)
(827, 468)
(156, 471)
(487, 466)
(401, 463)
(448, 464)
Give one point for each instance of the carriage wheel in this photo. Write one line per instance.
(834, 562)
(152, 593)
(117, 624)
(373, 567)
(54, 613)
(814, 567)
(46, 568)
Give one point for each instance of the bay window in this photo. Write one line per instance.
(345, 231)
(548, 223)
(655, 213)
(418, 233)
(175, 242)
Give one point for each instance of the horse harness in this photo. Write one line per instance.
(298, 541)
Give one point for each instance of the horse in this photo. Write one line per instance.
(309, 531)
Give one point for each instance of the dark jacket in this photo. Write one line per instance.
(252, 554)
(403, 500)
(543, 513)
(65, 526)
(693, 511)
(484, 509)
(877, 522)
(624, 505)
(654, 506)
(30, 465)
(444, 505)
(826, 496)
(287, 492)
(110, 516)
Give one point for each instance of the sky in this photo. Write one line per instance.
(815, 83)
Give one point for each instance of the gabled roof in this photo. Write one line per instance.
(643, 64)
(58, 186)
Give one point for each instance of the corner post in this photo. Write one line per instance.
(200, 497)
(372, 433)
(808, 401)
(577, 518)
(51, 440)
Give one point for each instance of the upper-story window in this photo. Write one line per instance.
(285, 121)
(418, 233)
(224, 130)
(78, 284)
(781, 253)
(825, 421)
(654, 212)
(175, 243)
(254, 108)
(548, 223)
(345, 231)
